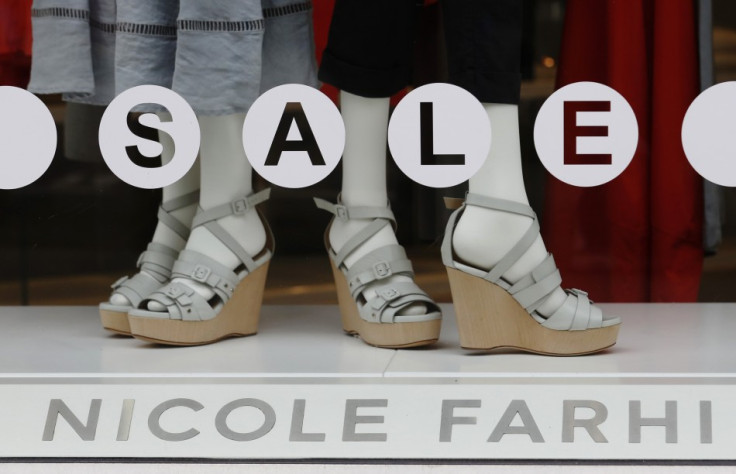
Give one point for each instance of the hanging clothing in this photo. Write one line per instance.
(638, 237)
(369, 50)
(15, 43)
(219, 55)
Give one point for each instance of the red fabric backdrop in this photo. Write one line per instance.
(639, 237)
(15, 42)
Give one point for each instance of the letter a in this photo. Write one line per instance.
(293, 112)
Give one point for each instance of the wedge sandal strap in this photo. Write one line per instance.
(203, 269)
(358, 239)
(391, 299)
(577, 313)
(182, 303)
(343, 212)
(136, 288)
(237, 206)
(157, 259)
(180, 201)
(532, 290)
(379, 264)
(164, 213)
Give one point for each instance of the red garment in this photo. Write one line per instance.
(15, 42)
(639, 237)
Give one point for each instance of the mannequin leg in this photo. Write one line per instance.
(225, 175)
(364, 178)
(163, 233)
(501, 177)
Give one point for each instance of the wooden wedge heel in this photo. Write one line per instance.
(377, 319)
(493, 313)
(233, 311)
(239, 316)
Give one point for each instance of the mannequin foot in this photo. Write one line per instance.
(154, 264)
(217, 282)
(341, 231)
(247, 230)
(378, 298)
(506, 287)
(479, 242)
(165, 236)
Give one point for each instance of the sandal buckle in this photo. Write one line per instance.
(239, 206)
(174, 292)
(389, 293)
(341, 212)
(382, 269)
(200, 273)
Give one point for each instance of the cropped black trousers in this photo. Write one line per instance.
(369, 49)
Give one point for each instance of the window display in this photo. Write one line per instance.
(446, 294)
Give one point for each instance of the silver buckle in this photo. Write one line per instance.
(382, 269)
(341, 211)
(239, 206)
(174, 292)
(389, 293)
(200, 273)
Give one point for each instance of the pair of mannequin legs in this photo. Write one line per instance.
(226, 174)
(222, 174)
(477, 238)
(482, 236)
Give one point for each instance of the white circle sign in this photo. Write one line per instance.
(293, 136)
(115, 136)
(27, 138)
(586, 134)
(439, 135)
(709, 134)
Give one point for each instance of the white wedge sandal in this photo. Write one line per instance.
(233, 311)
(377, 320)
(493, 313)
(154, 268)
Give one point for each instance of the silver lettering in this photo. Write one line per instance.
(269, 419)
(57, 408)
(352, 419)
(297, 424)
(669, 422)
(528, 425)
(154, 419)
(126, 416)
(706, 422)
(448, 418)
(569, 422)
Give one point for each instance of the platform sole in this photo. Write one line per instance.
(488, 317)
(238, 317)
(115, 321)
(388, 335)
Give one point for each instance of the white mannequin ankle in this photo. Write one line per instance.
(483, 236)
(187, 184)
(225, 176)
(364, 179)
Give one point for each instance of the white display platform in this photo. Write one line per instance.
(301, 389)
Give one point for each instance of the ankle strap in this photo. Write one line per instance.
(180, 201)
(236, 206)
(345, 213)
(508, 260)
